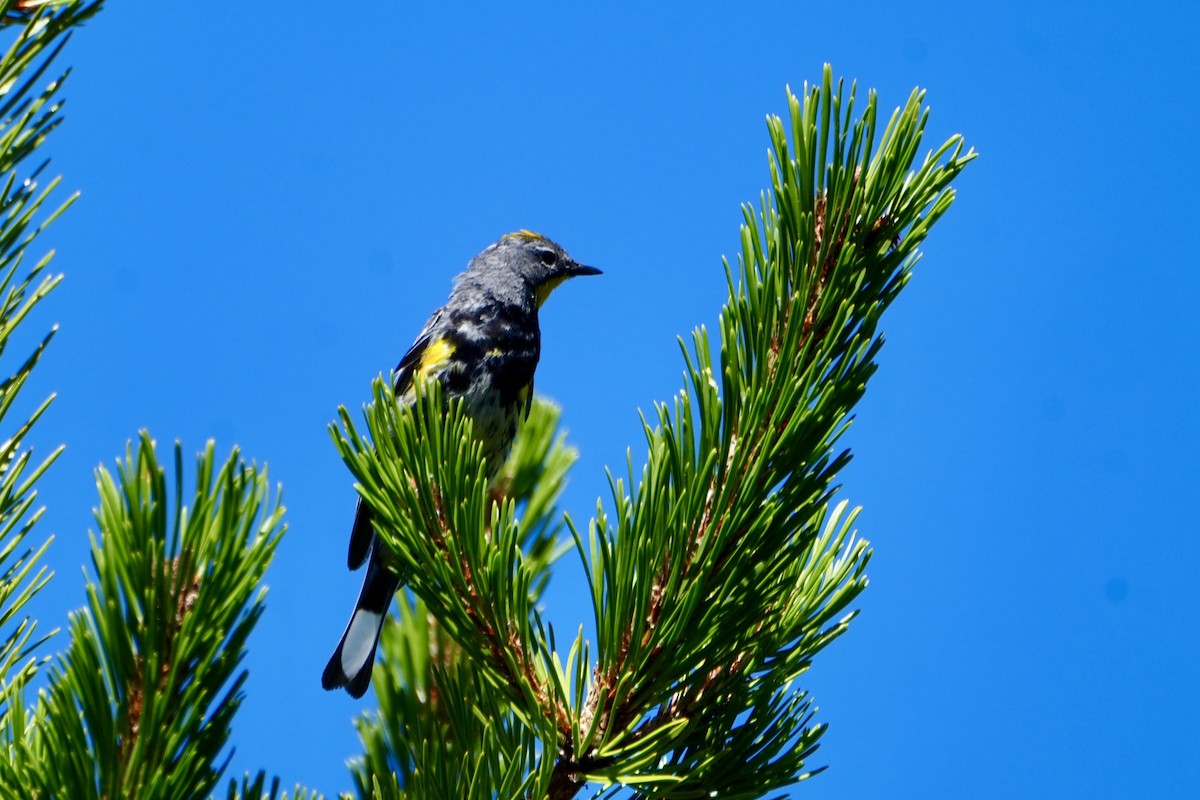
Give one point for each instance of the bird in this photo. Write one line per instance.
(482, 346)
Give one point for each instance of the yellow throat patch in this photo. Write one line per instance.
(544, 289)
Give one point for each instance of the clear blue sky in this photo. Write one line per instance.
(273, 201)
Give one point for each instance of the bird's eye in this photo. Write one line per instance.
(548, 257)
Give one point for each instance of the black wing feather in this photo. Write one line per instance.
(362, 532)
(360, 535)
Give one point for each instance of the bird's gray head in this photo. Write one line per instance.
(523, 267)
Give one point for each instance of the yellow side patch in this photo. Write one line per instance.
(544, 289)
(435, 358)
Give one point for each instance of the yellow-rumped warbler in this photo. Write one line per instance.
(483, 346)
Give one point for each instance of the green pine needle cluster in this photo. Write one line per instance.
(140, 704)
(28, 113)
(718, 579)
(725, 568)
(435, 687)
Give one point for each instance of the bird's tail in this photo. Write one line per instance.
(351, 663)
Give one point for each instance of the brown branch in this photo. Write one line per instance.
(477, 609)
(566, 780)
(135, 699)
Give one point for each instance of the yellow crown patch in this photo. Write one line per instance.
(523, 234)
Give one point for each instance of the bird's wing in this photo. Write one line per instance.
(360, 535)
(413, 360)
(527, 397)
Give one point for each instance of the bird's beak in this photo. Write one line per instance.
(544, 289)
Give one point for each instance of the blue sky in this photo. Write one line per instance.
(275, 198)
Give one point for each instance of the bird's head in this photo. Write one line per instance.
(529, 260)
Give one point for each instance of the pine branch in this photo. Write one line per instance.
(730, 526)
(423, 476)
(436, 707)
(141, 703)
(29, 112)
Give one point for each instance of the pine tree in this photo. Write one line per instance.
(716, 571)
